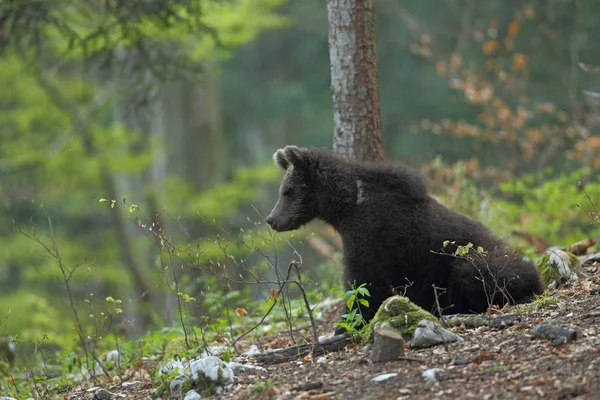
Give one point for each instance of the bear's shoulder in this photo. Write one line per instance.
(397, 178)
(384, 176)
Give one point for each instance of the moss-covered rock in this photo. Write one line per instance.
(401, 314)
(557, 267)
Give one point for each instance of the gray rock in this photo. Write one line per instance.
(429, 334)
(102, 394)
(176, 387)
(388, 345)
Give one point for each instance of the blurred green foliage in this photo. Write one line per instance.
(557, 209)
(62, 150)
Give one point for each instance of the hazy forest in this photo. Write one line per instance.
(136, 143)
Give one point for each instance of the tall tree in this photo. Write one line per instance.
(354, 86)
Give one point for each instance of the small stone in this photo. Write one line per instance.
(429, 334)
(383, 377)
(236, 367)
(461, 361)
(102, 394)
(130, 384)
(252, 351)
(430, 375)
(388, 345)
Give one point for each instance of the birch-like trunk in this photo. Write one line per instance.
(354, 86)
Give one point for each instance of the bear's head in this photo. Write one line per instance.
(297, 201)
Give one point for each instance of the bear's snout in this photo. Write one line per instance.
(269, 220)
(277, 223)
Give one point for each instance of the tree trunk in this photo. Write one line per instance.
(354, 87)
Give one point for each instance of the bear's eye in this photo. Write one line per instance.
(287, 192)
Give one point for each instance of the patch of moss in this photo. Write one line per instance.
(401, 314)
(176, 348)
(552, 267)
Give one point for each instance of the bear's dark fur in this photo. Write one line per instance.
(393, 234)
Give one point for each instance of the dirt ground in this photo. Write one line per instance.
(489, 364)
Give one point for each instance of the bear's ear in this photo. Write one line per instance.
(296, 156)
(280, 160)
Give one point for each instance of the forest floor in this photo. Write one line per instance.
(489, 364)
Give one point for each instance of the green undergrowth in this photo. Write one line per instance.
(555, 207)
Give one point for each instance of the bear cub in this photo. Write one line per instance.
(393, 235)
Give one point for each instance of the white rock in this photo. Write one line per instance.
(213, 351)
(561, 260)
(429, 375)
(176, 385)
(213, 368)
(383, 377)
(113, 356)
(252, 351)
(173, 366)
(236, 366)
(192, 395)
(130, 384)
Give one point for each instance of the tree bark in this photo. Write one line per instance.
(354, 86)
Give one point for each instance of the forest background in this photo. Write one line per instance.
(148, 119)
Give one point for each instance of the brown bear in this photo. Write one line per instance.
(394, 235)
